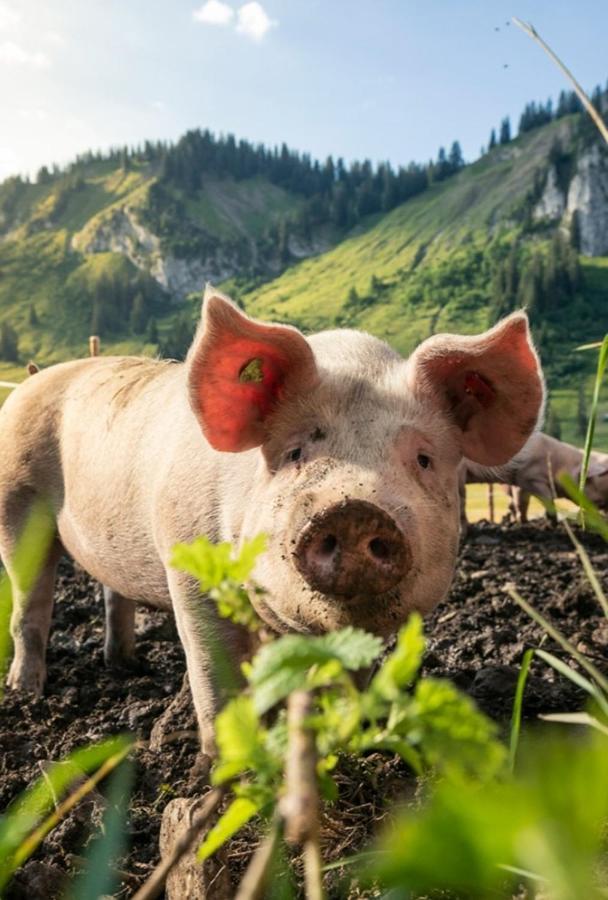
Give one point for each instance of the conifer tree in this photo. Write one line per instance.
(138, 318)
(152, 331)
(505, 131)
(9, 343)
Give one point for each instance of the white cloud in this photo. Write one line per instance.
(55, 38)
(9, 17)
(34, 114)
(214, 12)
(158, 105)
(253, 21)
(14, 55)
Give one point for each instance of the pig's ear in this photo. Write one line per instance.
(490, 383)
(240, 370)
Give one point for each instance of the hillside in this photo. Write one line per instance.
(121, 246)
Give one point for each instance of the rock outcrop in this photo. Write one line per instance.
(586, 195)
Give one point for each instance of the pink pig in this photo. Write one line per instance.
(342, 452)
(536, 471)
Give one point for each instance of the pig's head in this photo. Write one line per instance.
(356, 455)
(596, 483)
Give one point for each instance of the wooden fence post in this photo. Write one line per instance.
(491, 501)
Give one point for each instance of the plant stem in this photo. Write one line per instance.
(300, 805)
(253, 884)
(531, 31)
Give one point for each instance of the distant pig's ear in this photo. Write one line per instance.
(491, 384)
(240, 370)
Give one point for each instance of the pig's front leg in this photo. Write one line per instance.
(214, 649)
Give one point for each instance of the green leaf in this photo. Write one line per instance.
(212, 564)
(27, 812)
(238, 814)
(239, 740)
(283, 665)
(399, 669)
(452, 734)
(221, 575)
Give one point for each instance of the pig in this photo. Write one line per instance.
(342, 452)
(535, 471)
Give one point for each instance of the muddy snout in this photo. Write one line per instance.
(352, 548)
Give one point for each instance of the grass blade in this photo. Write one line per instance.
(602, 361)
(99, 878)
(580, 718)
(589, 570)
(517, 707)
(559, 638)
(593, 517)
(22, 827)
(531, 31)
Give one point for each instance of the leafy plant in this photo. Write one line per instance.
(430, 724)
(543, 827)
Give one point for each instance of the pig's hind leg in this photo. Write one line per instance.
(119, 645)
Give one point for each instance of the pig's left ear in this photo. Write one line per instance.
(240, 370)
(490, 383)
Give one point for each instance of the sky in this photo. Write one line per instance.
(379, 79)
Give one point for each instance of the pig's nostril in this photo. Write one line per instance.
(328, 545)
(379, 549)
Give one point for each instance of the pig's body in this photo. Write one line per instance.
(535, 470)
(343, 453)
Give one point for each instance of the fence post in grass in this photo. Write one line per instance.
(491, 501)
(93, 345)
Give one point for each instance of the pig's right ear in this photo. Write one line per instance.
(239, 372)
(490, 384)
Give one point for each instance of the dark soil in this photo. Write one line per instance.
(476, 638)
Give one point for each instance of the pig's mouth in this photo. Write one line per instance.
(318, 613)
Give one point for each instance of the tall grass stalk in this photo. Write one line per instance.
(517, 707)
(531, 31)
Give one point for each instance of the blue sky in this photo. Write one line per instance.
(384, 79)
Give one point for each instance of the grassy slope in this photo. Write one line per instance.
(41, 266)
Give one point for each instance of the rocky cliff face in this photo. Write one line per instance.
(120, 231)
(586, 195)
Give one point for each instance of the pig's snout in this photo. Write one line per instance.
(350, 549)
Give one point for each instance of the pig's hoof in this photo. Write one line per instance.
(28, 677)
(116, 657)
(119, 663)
(189, 878)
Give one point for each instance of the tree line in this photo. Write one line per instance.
(537, 114)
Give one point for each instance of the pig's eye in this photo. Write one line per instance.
(423, 460)
(294, 455)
